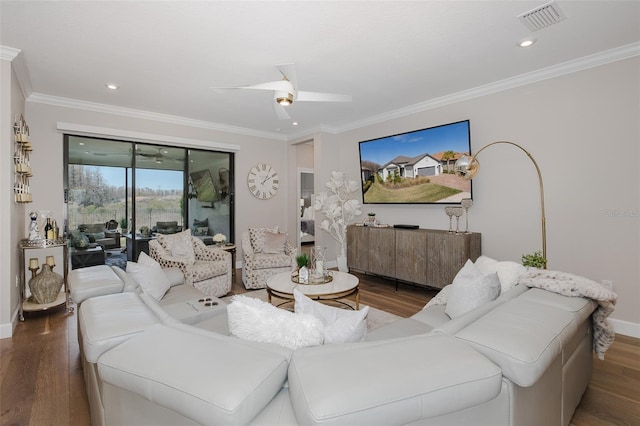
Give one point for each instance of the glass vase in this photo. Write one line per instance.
(318, 267)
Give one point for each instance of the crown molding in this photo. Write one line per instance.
(580, 64)
(147, 115)
(94, 131)
(19, 67)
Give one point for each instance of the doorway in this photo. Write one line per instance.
(306, 216)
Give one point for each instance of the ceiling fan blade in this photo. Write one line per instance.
(281, 85)
(281, 112)
(322, 97)
(288, 71)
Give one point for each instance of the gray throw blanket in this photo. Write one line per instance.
(576, 286)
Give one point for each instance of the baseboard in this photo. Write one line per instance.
(627, 328)
(6, 330)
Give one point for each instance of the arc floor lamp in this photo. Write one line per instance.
(467, 167)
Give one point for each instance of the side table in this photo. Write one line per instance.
(231, 248)
(27, 304)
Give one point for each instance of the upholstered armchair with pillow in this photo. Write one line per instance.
(266, 253)
(206, 268)
(102, 234)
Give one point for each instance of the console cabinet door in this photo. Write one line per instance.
(411, 256)
(448, 254)
(358, 248)
(382, 251)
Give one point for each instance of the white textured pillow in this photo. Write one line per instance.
(148, 273)
(179, 245)
(486, 265)
(340, 325)
(274, 243)
(508, 272)
(253, 319)
(471, 289)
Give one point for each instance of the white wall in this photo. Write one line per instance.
(12, 215)
(583, 130)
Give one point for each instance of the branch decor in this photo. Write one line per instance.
(338, 207)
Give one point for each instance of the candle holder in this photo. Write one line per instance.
(33, 266)
(318, 269)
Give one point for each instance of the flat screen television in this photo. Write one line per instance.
(203, 186)
(416, 167)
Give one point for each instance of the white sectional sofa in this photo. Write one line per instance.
(522, 359)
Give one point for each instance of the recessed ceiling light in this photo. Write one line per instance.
(527, 42)
(112, 86)
(295, 123)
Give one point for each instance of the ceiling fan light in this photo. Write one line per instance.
(285, 100)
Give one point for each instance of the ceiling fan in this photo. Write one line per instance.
(285, 91)
(158, 156)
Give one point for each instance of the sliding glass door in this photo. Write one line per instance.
(145, 189)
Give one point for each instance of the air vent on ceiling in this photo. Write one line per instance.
(543, 16)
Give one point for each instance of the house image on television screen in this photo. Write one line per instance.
(415, 167)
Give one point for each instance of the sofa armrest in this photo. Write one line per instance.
(326, 385)
(112, 234)
(204, 252)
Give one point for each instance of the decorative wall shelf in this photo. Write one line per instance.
(23, 148)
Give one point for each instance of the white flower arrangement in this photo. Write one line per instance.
(219, 238)
(338, 208)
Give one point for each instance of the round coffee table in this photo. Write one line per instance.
(342, 285)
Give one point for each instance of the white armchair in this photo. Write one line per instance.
(266, 253)
(209, 270)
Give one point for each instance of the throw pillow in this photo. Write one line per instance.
(253, 319)
(340, 325)
(256, 235)
(508, 272)
(179, 245)
(486, 264)
(274, 243)
(198, 223)
(471, 289)
(148, 273)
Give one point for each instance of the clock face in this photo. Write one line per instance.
(263, 181)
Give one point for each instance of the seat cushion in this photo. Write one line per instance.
(206, 269)
(327, 384)
(525, 347)
(236, 380)
(93, 281)
(109, 320)
(269, 261)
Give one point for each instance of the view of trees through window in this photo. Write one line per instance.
(97, 194)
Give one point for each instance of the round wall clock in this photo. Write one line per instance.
(263, 181)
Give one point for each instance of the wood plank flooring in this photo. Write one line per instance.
(42, 381)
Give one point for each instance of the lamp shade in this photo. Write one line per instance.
(466, 167)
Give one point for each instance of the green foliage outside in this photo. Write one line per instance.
(93, 200)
